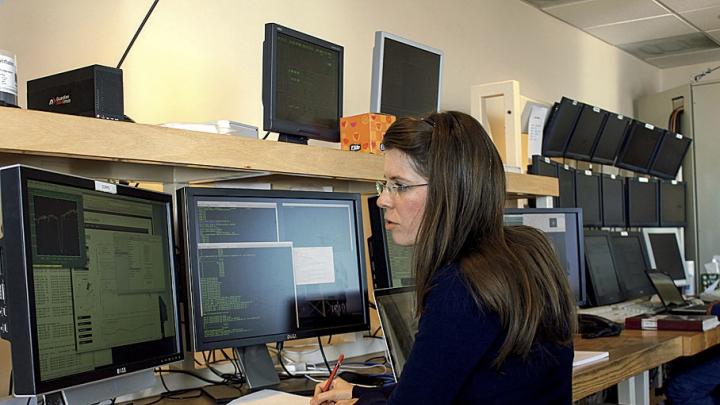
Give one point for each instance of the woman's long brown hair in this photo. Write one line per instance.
(511, 270)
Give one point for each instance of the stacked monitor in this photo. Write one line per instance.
(669, 156)
(587, 130)
(406, 77)
(642, 197)
(665, 252)
(588, 196)
(610, 139)
(266, 266)
(639, 148)
(613, 201)
(88, 285)
(631, 260)
(566, 185)
(559, 127)
(602, 269)
(672, 203)
(391, 263)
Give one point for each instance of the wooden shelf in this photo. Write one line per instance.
(27, 134)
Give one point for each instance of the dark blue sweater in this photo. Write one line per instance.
(451, 360)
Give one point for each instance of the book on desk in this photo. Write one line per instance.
(672, 322)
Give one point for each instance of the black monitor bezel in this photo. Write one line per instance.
(565, 106)
(609, 298)
(377, 247)
(636, 293)
(186, 221)
(565, 170)
(271, 122)
(603, 116)
(665, 183)
(21, 328)
(629, 184)
(602, 160)
(667, 138)
(622, 199)
(581, 174)
(631, 132)
(580, 240)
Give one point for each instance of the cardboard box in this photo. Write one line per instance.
(364, 132)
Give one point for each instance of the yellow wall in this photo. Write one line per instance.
(202, 60)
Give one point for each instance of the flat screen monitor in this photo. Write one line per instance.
(271, 265)
(666, 253)
(672, 203)
(642, 202)
(563, 227)
(587, 196)
(640, 145)
(670, 155)
(396, 309)
(586, 132)
(611, 138)
(302, 86)
(566, 186)
(613, 201)
(560, 126)
(601, 269)
(406, 77)
(390, 263)
(666, 289)
(91, 291)
(543, 166)
(631, 262)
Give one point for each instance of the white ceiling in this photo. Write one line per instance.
(665, 33)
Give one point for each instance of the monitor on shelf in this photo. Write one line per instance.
(543, 166)
(563, 227)
(613, 201)
(265, 266)
(587, 129)
(670, 155)
(566, 186)
(641, 142)
(631, 262)
(601, 269)
(665, 252)
(588, 196)
(89, 304)
(302, 86)
(390, 263)
(406, 77)
(672, 203)
(560, 126)
(610, 139)
(642, 202)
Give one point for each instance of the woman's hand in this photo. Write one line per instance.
(339, 393)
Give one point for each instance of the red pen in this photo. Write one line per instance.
(334, 371)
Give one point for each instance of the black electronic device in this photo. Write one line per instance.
(543, 166)
(302, 86)
(640, 145)
(665, 254)
(670, 155)
(91, 91)
(613, 201)
(88, 284)
(270, 265)
(601, 269)
(671, 297)
(672, 203)
(390, 263)
(406, 77)
(585, 135)
(610, 139)
(560, 126)
(564, 228)
(587, 196)
(642, 202)
(566, 187)
(594, 326)
(631, 262)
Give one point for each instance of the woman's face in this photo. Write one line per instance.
(404, 208)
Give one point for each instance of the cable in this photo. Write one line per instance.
(201, 378)
(10, 389)
(279, 346)
(323, 355)
(132, 41)
(704, 73)
(266, 135)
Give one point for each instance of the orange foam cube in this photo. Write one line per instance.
(364, 132)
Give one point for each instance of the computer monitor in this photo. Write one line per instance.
(543, 166)
(670, 155)
(397, 311)
(613, 201)
(270, 265)
(406, 77)
(563, 227)
(642, 202)
(560, 126)
(610, 139)
(665, 252)
(302, 86)
(601, 268)
(587, 197)
(672, 203)
(631, 262)
(641, 142)
(88, 288)
(390, 263)
(587, 129)
(566, 187)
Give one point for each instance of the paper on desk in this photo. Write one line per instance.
(270, 397)
(313, 265)
(584, 357)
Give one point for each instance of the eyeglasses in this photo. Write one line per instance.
(393, 188)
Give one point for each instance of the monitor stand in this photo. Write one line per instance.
(108, 389)
(257, 365)
(299, 139)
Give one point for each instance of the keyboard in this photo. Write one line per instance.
(618, 312)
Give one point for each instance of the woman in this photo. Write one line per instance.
(496, 312)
